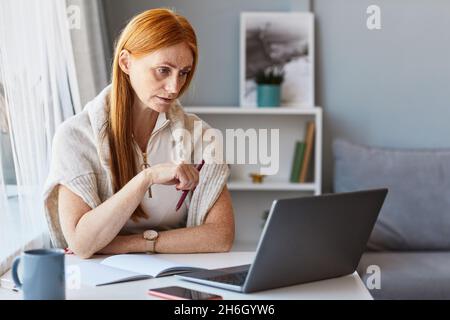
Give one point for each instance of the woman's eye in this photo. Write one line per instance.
(184, 73)
(163, 70)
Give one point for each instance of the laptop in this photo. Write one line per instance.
(305, 239)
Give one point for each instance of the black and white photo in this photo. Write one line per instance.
(281, 41)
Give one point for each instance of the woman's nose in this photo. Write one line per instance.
(173, 84)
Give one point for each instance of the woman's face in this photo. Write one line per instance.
(158, 77)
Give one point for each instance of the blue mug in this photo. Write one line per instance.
(43, 274)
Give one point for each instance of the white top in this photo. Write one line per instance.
(160, 208)
(81, 161)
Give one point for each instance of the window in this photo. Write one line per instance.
(16, 230)
(8, 183)
(39, 93)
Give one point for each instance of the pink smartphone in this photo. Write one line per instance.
(180, 293)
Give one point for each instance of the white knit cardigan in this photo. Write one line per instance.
(80, 162)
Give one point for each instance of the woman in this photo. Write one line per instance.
(113, 184)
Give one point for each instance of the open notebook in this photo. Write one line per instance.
(129, 267)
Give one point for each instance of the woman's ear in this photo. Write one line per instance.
(124, 61)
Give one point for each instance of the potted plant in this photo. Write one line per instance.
(269, 83)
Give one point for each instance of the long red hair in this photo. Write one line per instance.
(147, 32)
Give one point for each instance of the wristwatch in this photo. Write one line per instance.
(151, 236)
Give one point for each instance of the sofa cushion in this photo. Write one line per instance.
(407, 275)
(416, 212)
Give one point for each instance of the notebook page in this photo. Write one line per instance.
(97, 274)
(141, 263)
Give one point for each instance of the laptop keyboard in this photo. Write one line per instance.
(237, 278)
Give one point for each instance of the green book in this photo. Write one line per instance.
(297, 161)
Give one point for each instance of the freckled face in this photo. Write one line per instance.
(158, 77)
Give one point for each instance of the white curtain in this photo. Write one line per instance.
(90, 46)
(4, 210)
(41, 91)
(3, 196)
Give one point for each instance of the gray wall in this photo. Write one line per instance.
(217, 27)
(389, 87)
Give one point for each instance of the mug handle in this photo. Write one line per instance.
(15, 276)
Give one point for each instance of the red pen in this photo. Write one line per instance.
(185, 192)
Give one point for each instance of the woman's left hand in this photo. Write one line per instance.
(183, 176)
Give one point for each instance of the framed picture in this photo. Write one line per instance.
(281, 40)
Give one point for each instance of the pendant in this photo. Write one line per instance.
(145, 165)
(149, 192)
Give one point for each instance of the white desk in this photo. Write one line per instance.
(347, 287)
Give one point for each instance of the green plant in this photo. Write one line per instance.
(271, 75)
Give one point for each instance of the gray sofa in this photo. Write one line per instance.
(410, 243)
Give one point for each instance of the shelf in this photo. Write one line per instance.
(250, 199)
(281, 186)
(255, 111)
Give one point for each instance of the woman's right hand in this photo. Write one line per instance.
(183, 176)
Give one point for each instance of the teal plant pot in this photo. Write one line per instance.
(268, 95)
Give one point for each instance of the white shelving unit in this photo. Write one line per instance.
(249, 199)
(254, 111)
(267, 186)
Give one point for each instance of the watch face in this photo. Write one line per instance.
(150, 234)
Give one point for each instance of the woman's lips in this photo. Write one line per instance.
(165, 100)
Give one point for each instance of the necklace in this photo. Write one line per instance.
(146, 165)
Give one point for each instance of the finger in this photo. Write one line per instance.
(196, 176)
(188, 169)
(183, 178)
(180, 181)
